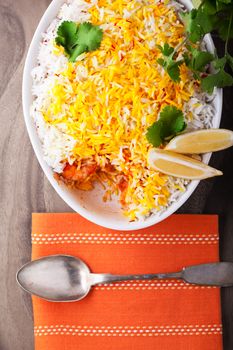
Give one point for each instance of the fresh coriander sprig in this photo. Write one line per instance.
(210, 16)
(171, 122)
(78, 38)
(169, 63)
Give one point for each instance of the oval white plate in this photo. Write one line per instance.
(90, 204)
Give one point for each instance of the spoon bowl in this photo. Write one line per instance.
(56, 278)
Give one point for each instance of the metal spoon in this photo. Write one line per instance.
(66, 278)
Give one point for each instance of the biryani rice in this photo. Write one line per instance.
(96, 111)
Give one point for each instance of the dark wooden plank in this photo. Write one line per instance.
(220, 201)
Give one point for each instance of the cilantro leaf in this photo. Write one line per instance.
(66, 35)
(199, 59)
(77, 39)
(173, 70)
(209, 7)
(219, 79)
(77, 50)
(173, 121)
(170, 123)
(197, 23)
(161, 62)
(166, 50)
(193, 29)
(154, 134)
(89, 36)
(170, 65)
(206, 21)
(220, 62)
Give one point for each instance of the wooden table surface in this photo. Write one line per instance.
(24, 189)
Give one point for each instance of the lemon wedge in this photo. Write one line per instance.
(177, 165)
(201, 141)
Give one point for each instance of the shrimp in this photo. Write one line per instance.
(72, 173)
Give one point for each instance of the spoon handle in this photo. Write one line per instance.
(213, 274)
(109, 278)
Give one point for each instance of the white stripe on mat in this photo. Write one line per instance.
(150, 285)
(129, 331)
(92, 238)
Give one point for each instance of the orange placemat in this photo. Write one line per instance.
(131, 315)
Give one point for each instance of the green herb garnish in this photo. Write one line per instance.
(199, 59)
(170, 123)
(198, 22)
(168, 62)
(211, 16)
(78, 38)
(219, 79)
